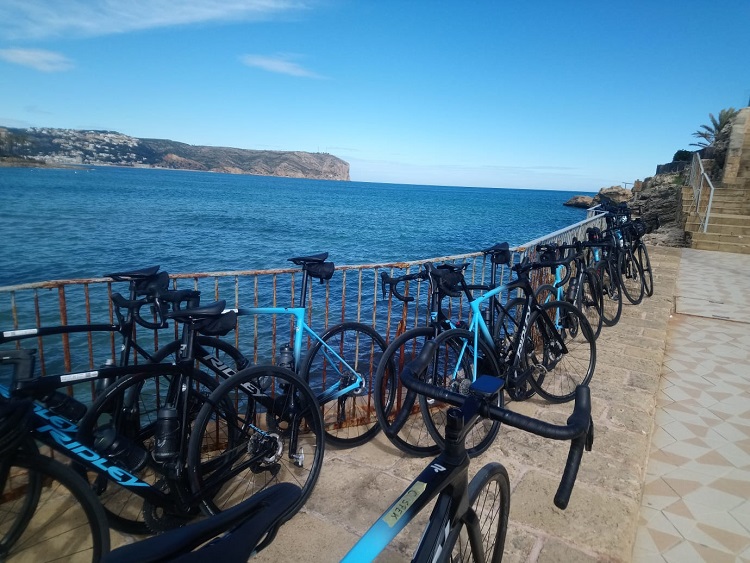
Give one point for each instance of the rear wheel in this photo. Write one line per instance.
(261, 427)
(631, 276)
(507, 324)
(611, 294)
(396, 407)
(559, 352)
(589, 301)
(452, 368)
(120, 426)
(489, 496)
(352, 351)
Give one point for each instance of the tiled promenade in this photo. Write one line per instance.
(669, 476)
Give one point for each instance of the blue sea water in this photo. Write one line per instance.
(71, 223)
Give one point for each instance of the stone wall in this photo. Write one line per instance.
(737, 167)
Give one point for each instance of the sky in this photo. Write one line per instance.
(546, 94)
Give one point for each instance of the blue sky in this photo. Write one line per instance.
(547, 94)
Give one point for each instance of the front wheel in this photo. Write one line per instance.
(559, 351)
(397, 407)
(489, 496)
(641, 254)
(348, 355)
(260, 427)
(631, 276)
(452, 368)
(589, 301)
(67, 523)
(609, 286)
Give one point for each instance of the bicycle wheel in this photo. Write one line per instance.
(589, 301)
(351, 351)
(396, 407)
(631, 276)
(212, 352)
(120, 425)
(452, 368)
(65, 523)
(641, 254)
(503, 333)
(559, 352)
(489, 496)
(260, 427)
(611, 293)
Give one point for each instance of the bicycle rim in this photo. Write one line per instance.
(126, 413)
(349, 420)
(452, 368)
(261, 427)
(560, 354)
(631, 276)
(611, 295)
(393, 402)
(68, 523)
(648, 277)
(590, 301)
(489, 496)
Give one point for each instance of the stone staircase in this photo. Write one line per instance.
(729, 221)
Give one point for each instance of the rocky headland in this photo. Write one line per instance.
(657, 196)
(65, 147)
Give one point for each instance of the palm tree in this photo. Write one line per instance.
(718, 130)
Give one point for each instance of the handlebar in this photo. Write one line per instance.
(159, 301)
(579, 428)
(385, 280)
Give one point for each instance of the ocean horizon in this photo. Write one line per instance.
(65, 223)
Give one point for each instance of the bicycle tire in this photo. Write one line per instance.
(589, 301)
(454, 356)
(631, 276)
(506, 325)
(611, 293)
(67, 522)
(211, 352)
(391, 397)
(362, 348)
(243, 437)
(133, 422)
(16, 509)
(641, 254)
(489, 498)
(552, 373)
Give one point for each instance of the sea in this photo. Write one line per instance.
(86, 222)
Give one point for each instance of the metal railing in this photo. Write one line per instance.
(352, 294)
(698, 181)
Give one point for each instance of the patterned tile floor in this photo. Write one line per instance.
(696, 502)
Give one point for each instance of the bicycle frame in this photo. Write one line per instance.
(301, 328)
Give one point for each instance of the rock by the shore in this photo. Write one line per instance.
(582, 201)
(613, 194)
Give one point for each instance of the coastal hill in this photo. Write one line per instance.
(76, 147)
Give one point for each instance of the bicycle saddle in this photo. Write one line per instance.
(210, 311)
(134, 275)
(314, 258)
(246, 524)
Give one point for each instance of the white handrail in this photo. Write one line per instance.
(698, 178)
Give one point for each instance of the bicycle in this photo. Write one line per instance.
(133, 442)
(445, 280)
(469, 516)
(601, 259)
(339, 365)
(47, 512)
(629, 268)
(582, 290)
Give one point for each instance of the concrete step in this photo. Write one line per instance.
(722, 219)
(693, 225)
(721, 246)
(721, 242)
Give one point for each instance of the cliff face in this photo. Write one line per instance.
(70, 146)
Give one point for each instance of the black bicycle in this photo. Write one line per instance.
(469, 517)
(134, 439)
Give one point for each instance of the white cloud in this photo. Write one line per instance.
(39, 59)
(280, 64)
(26, 19)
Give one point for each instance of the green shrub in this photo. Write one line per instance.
(682, 156)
